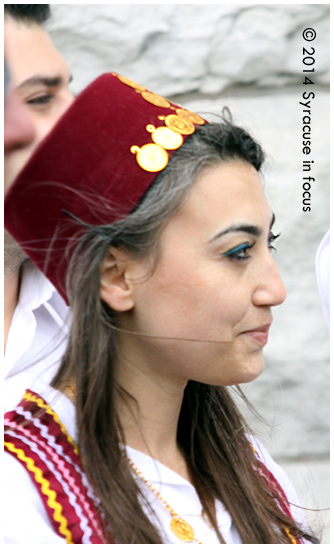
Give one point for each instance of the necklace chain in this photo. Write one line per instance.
(180, 527)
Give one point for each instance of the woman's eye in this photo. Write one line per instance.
(271, 239)
(239, 252)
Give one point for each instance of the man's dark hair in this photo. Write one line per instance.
(29, 13)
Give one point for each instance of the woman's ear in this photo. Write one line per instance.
(116, 287)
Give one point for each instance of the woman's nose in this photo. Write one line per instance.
(269, 289)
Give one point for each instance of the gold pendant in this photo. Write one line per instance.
(180, 125)
(165, 137)
(182, 529)
(151, 157)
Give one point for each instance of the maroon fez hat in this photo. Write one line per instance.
(92, 169)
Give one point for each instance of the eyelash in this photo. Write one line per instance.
(235, 253)
(271, 239)
(41, 100)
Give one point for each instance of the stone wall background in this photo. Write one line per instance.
(248, 57)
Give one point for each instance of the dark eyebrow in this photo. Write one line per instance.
(42, 81)
(254, 230)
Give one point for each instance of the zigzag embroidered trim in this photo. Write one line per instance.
(28, 396)
(45, 488)
(40, 442)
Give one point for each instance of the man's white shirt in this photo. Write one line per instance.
(37, 336)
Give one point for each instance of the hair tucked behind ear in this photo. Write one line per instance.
(211, 432)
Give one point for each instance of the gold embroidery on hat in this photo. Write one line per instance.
(155, 99)
(159, 101)
(188, 115)
(165, 137)
(154, 157)
(180, 125)
(129, 82)
(151, 157)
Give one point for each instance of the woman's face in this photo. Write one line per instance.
(214, 283)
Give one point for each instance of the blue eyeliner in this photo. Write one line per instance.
(241, 247)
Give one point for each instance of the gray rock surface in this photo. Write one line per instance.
(248, 57)
(191, 47)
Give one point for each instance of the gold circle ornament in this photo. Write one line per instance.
(130, 83)
(180, 125)
(165, 137)
(151, 157)
(192, 116)
(182, 529)
(155, 99)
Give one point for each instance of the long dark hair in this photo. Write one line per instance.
(212, 434)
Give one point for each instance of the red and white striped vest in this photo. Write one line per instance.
(35, 436)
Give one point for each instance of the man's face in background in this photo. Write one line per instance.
(38, 95)
(19, 130)
(40, 78)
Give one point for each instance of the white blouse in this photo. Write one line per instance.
(37, 335)
(182, 497)
(26, 520)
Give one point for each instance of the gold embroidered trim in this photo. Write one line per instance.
(153, 157)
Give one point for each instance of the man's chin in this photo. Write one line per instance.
(14, 256)
(14, 161)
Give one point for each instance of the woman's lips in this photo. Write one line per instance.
(259, 335)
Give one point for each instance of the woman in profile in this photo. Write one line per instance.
(157, 231)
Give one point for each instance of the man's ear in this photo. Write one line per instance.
(116, 287)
